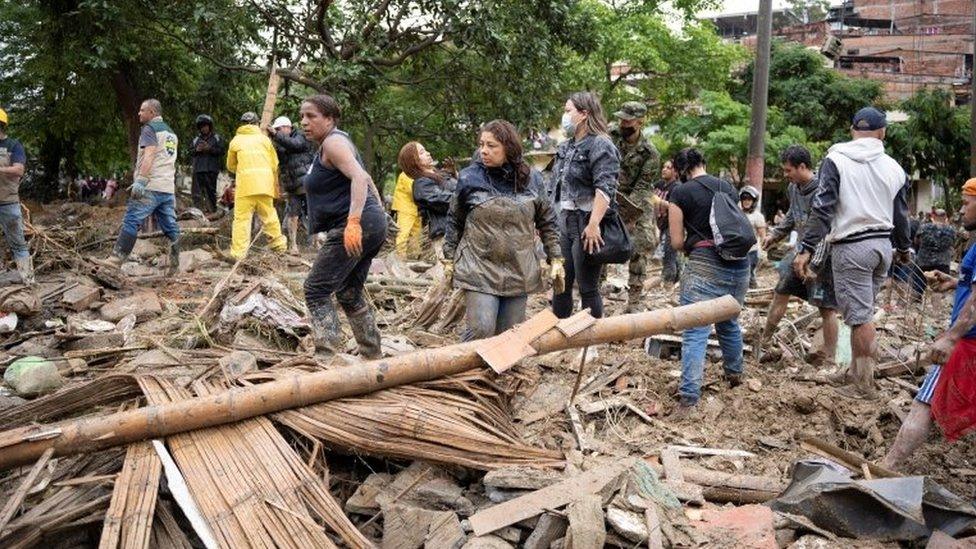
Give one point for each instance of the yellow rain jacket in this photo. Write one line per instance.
(251, 156)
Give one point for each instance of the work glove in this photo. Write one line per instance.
(352, 237)
(448, 271)
(139, 187)
(557, 274)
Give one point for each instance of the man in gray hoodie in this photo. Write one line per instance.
(861, 209)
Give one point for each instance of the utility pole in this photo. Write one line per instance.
(972, 105)
(760, 94)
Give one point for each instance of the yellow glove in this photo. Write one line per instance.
(448, 271)
(557, 273)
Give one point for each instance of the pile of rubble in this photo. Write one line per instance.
(566, 449)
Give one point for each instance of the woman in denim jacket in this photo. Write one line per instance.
(585, 182)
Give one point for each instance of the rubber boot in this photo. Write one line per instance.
(634, 299)
(25, 266)
(123, 247)
(367, 335)
(325, 328)
(174, 257)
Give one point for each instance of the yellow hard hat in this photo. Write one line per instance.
(3, 116)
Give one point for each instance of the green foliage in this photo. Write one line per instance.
(814, 96)
(664, 67)
(721, 131)
(432, 70)
(79, 68)
(934, 141)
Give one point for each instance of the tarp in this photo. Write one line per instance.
(886, 509)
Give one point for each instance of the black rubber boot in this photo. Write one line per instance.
(174, 257)
(325, 328)
(367, 335)
(123, 247)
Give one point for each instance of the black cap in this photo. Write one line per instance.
(869, 119)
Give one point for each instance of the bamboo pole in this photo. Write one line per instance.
(25, 445)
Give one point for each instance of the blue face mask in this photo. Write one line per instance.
(569, 127)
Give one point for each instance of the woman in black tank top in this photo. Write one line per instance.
(342, 202)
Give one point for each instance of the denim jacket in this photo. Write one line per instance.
(583, 167)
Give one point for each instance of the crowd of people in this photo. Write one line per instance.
(503, 230)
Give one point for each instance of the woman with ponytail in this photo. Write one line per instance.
(489, 248)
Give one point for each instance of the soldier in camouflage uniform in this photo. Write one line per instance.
(640, 166)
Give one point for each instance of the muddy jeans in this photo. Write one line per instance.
(336, 272)
(707, 277)
(488, 315)
(586, 275)
(12, 221)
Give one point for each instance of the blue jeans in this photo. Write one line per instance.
(163, 205)
(753, 263)
(488, 315)
(707, 276)
(12, 221)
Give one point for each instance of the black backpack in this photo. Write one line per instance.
(732, 232)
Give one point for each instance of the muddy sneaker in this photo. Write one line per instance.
(734, 380)
(684, 411)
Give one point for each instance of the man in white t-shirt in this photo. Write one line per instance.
(748, 199)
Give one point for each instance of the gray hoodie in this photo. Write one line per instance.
(862, 195)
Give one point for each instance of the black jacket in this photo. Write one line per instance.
(295, 155)
(208, 160)
(433, 200)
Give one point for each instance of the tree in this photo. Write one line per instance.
(810, 93)
(83, 67)
(934, 142)
(635, 55)
(721, 131)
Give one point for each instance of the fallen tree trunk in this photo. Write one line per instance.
(25, 445)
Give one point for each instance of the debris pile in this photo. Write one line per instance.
(566, 449)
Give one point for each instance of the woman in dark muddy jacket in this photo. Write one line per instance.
(489, 248)
(584, 179)
(432, 191)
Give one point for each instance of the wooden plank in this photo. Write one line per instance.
(549, 498)
(672, 465)
(14, 502)
(507, 349)
(848, 459)
(577, 425)
(576, 323)
(654, 538)
(710, 451)
(128, 521)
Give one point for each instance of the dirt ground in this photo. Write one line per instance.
(782, 402)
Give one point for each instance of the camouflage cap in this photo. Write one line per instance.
(250, 118)
(631, 110)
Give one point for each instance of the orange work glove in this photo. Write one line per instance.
(352, 238)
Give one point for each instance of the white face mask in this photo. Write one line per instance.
(569, 127)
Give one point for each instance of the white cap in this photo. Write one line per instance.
(280, 121)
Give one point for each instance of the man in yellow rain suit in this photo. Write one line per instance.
(252, 158)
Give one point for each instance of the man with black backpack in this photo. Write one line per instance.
(717, 265)
(861, 210)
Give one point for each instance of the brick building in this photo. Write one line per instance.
(906, 44)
